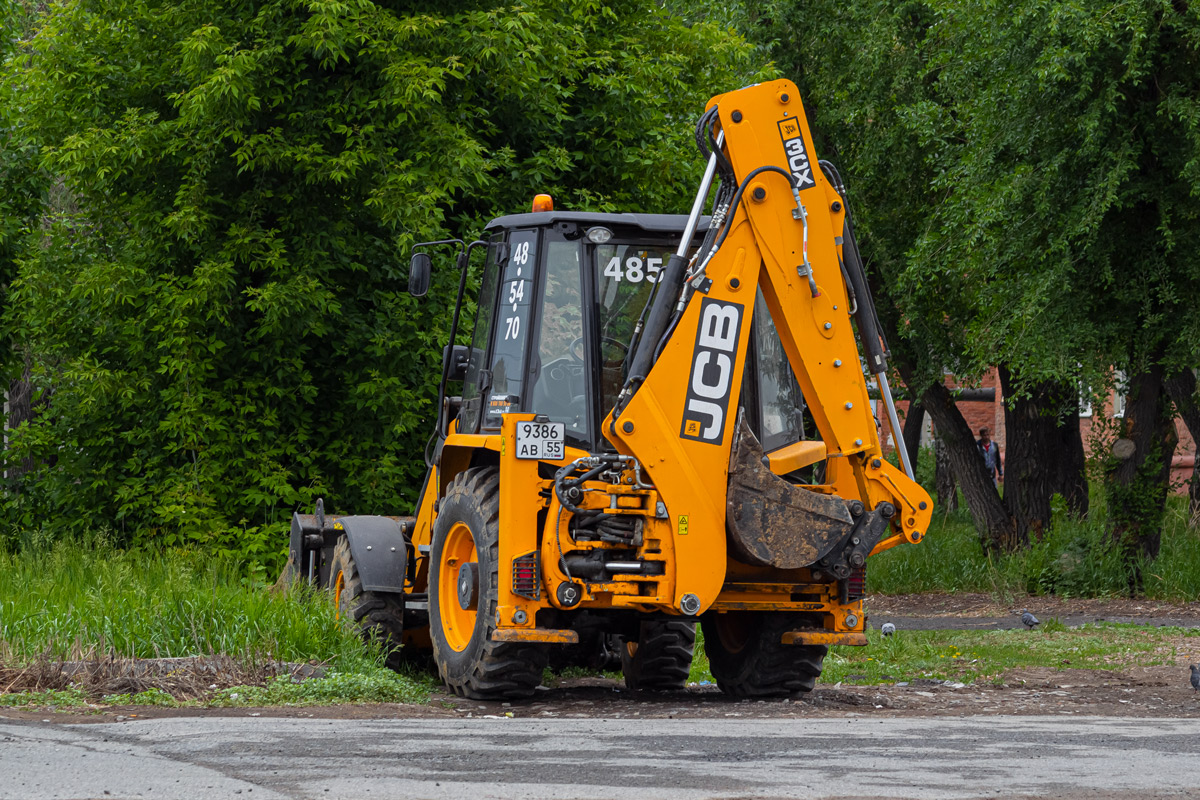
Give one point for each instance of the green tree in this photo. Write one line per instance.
(23, 189)
(863, 71)
(220, 308)
(1071, 172)
(1027, 175)
(22, 185)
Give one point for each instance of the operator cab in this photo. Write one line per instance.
(559, 300)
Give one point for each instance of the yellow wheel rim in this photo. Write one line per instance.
(338, 586)
(733, 633)
(458, 624)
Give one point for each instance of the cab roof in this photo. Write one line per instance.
(650, 223)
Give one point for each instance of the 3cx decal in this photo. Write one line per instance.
(711, 381)
(799, 163)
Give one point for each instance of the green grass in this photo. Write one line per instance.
(72, 599)
(75, 601)
(1074, 559)
(377, 685)
(66, 698)
(970, 656)
(985, 656)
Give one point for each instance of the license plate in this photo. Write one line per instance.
(542, 440)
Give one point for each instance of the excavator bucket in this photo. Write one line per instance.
(772, 523)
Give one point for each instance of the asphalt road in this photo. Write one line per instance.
(271, 758)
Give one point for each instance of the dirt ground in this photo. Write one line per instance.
(1161, 691)
(1143, 692)
(944, 608)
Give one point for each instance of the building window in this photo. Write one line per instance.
(1120, 386)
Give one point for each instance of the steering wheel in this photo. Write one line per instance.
(603, 340)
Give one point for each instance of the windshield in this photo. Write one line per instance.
(625, 275)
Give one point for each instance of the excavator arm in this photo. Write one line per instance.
(783, 230)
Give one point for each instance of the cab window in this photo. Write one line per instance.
(511, 327)
(559, 389)
(625, 276)
(469, 413)
(780, 403)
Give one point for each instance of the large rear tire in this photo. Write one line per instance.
(661, 657)
(748, 659)
(463, 588)
(378, 615)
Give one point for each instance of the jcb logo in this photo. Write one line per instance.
(711, 380)
(797, 155)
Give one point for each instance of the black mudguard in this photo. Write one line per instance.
(380, 551)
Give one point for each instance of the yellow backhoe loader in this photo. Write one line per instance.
(662, 419)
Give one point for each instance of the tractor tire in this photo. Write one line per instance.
(462, 602)
(661, 657)
(748, 659)
(596, 652)
(378, 615)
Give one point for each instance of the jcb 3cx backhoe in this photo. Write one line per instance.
(662, 419)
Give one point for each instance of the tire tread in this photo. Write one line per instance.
(765, 667)
(663, 658)
(379, 616)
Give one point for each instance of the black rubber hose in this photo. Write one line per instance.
(668, 289)
(737, 198)
(561, 479)
(869, 328)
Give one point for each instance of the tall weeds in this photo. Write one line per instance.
(69, 599)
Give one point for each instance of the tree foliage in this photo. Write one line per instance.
(22, 184)
(1027, 175)
(217, 303)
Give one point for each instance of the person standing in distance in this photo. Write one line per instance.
(990, 451)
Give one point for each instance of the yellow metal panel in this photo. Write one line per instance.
(519, 507)
(852, 639)
(796, 455)
(544, 635)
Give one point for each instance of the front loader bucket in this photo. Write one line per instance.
(772, 523)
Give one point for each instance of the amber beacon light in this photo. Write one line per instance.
(543, 202)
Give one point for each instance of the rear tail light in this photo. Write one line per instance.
(526, 576)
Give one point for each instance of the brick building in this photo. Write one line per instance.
(990, 414)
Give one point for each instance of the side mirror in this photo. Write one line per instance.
(454, 361)
(418, 274)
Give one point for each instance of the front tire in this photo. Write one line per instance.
(748, 658)
(463, 591)
(378, 615)
(660, 659)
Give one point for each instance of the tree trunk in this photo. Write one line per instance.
(913, 422)
(943, 475)
(1139, 471)
(1045, 453)
(1030, 428)
(1182, 388)
(1072, 479)
(20, 410)
(992, 519)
